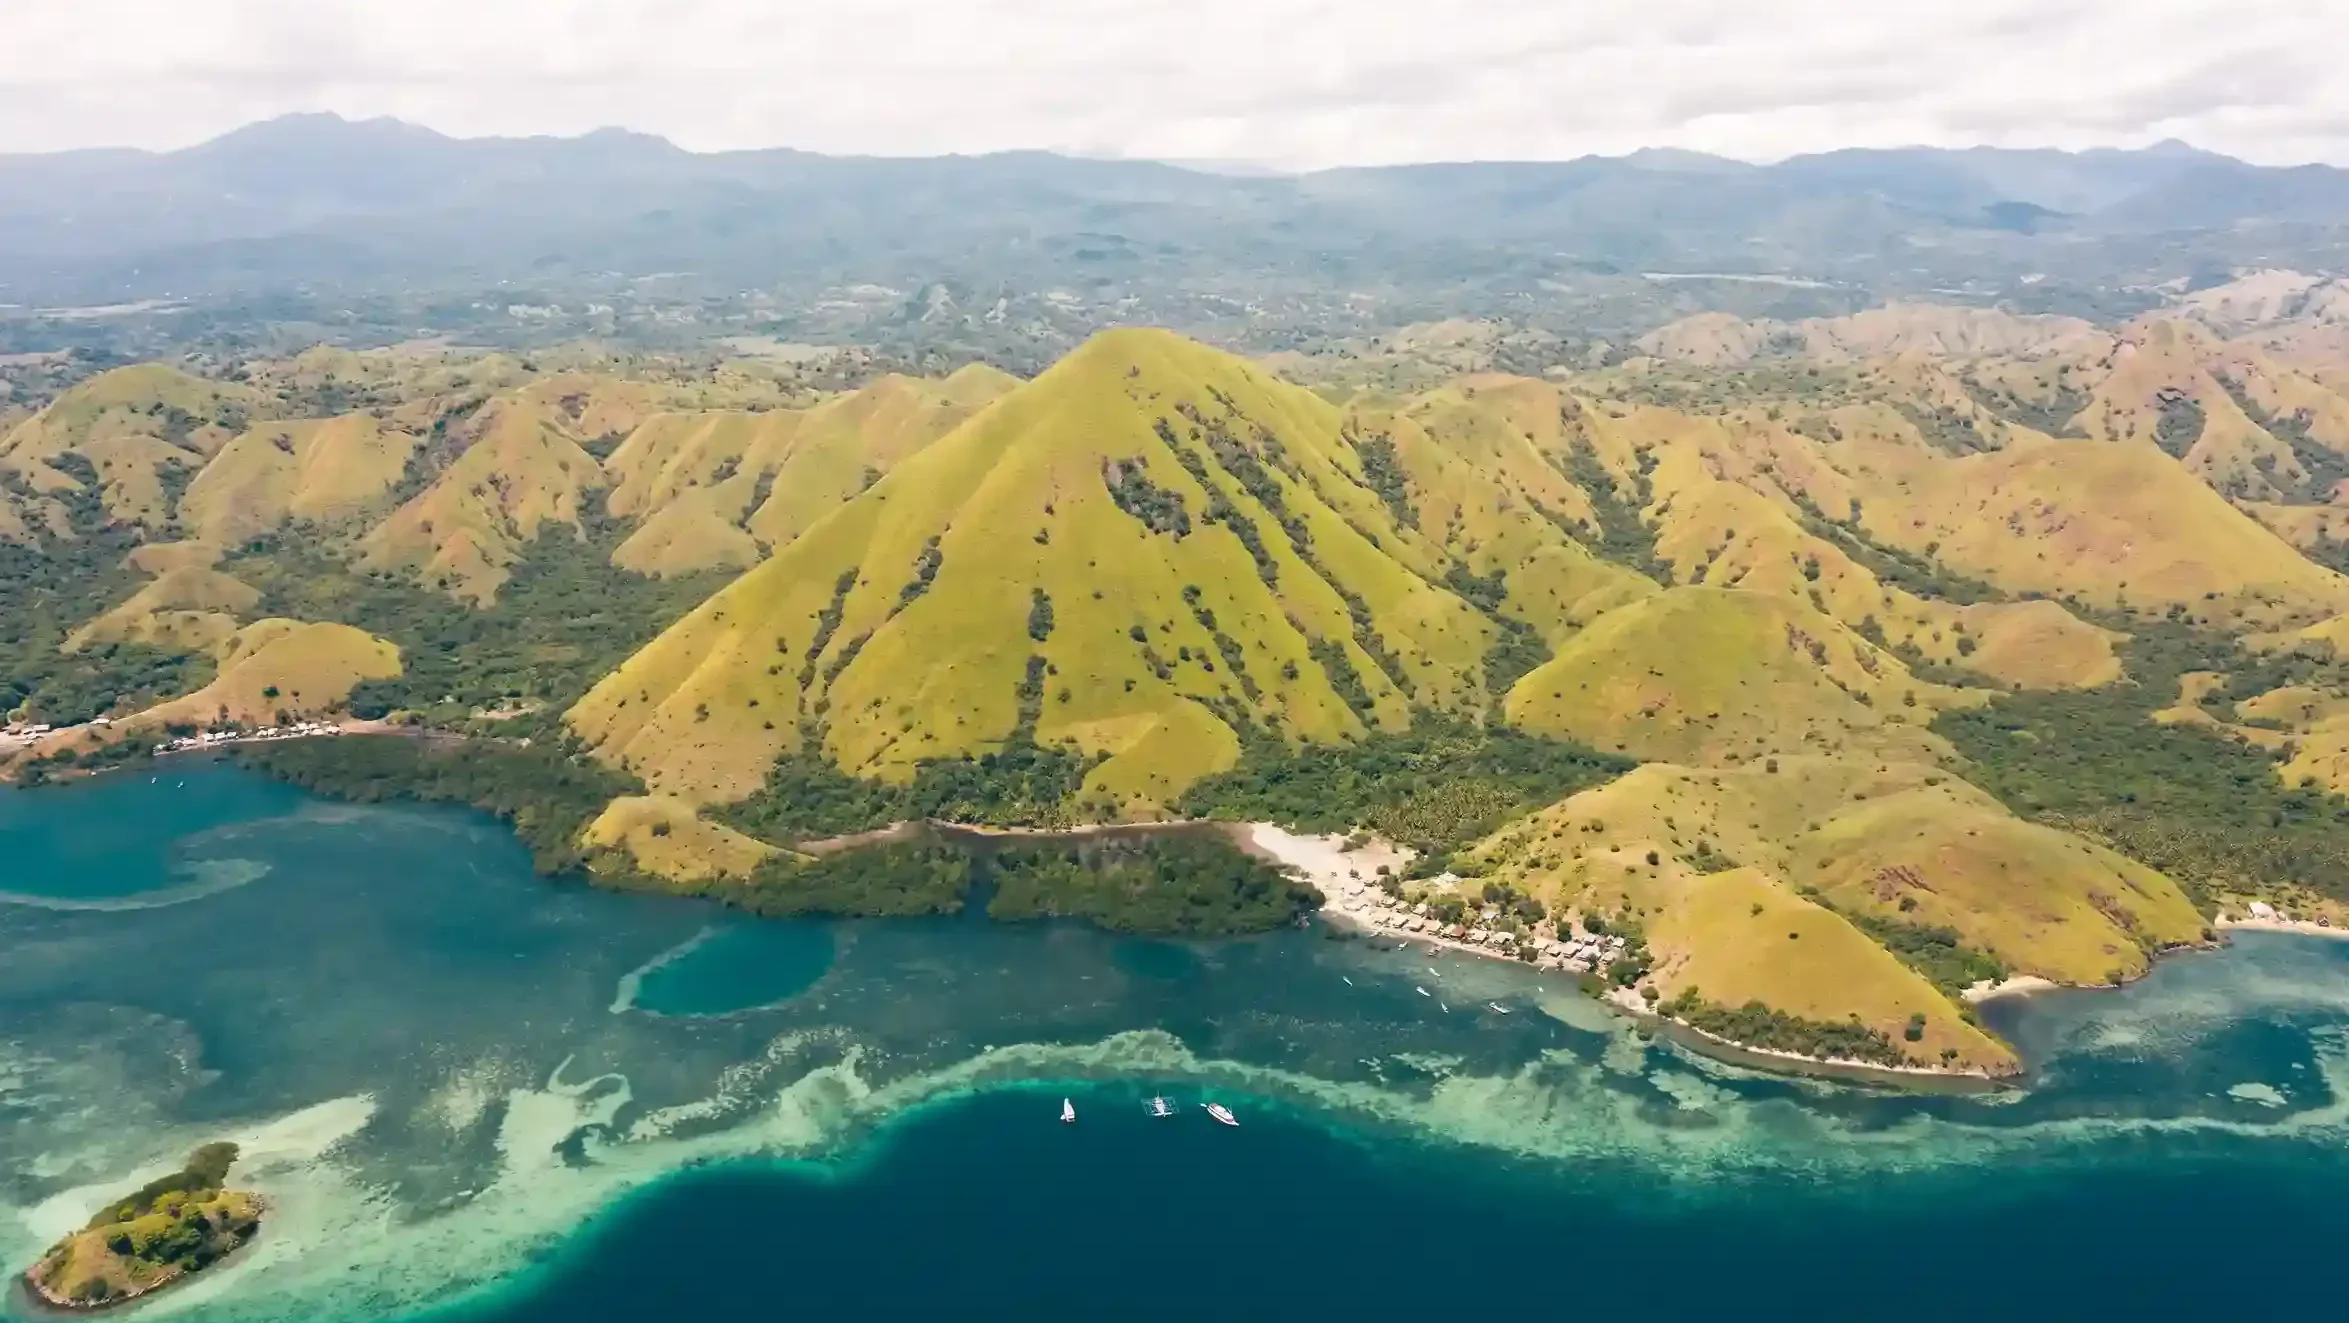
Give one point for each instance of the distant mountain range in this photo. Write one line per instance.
(317, 202)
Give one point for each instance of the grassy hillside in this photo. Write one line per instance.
(1148, 554)
(134, 436)
(714, 490)
(320, 471)
(2110, 525)
(1895, 652)
(1724, 675)
(1706, 863)
(276, 669)
(519, 471)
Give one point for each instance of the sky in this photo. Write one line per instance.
(1285, 83)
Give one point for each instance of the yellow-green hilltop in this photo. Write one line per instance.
(143, 1242)
(1828, 668)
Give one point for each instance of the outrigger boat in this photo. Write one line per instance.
(1222, 1113)
(1161, 1107)
(1068, 1111)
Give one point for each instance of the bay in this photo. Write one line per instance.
(471, 1092)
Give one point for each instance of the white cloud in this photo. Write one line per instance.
(1291, 82)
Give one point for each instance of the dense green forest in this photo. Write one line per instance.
(1177, 886)
(897, 879)
(45, 593)
(206, 1169)
(1023, 785)
(1190, 885)
(549, 795)
(1436, 787)
(566, 619)
(2208, 810)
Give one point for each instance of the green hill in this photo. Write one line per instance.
(1151, 553)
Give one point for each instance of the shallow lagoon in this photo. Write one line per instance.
(467, 1088)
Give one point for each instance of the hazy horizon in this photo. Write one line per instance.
(1212, 165)
(1297, 84)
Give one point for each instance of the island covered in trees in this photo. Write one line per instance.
(145, 1241)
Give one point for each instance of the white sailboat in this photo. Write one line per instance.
(1068, 1111)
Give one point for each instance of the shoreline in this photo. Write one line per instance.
(38, 1301)
(2019, 985)
(15, 757)
(1935, 1079)
(912, 828)
(1344, 875)
(1339, 873)
(2296, 927)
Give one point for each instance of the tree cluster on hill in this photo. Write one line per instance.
(1187, 885)
(175, 1225)
(1024, 784)
(1435, 787)
(1163, 884)
(2207, 809)
(1759, 1026)
(565, 619)
(45, 593)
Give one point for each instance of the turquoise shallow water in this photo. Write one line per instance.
(473, 1093)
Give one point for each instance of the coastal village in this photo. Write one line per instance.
(38, 736)
(1564, 949)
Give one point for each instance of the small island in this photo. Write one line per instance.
(173, 1226)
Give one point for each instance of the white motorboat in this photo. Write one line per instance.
(1222, 1113)
(1499, 1007)
(1068, 1111)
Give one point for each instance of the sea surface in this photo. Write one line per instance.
(472, 1093)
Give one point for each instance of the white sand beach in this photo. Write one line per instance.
(1327, 863)
(2279, 924)
(2016, 986)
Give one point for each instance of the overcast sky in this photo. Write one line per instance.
(1295, 83)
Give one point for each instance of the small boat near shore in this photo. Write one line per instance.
(1422, 991)
(1161, 1107)
(1221, 1113)
(1068, 1112)
(1499, 1007)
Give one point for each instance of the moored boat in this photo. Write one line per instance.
(1161, 1107)
(1222, 1113)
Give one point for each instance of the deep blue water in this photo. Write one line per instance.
(471, 1093)
(988, 1209)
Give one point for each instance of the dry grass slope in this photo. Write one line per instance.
(899, 627)
(285, 667)
(1721, 676)
(668, 840)
(320, 471)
